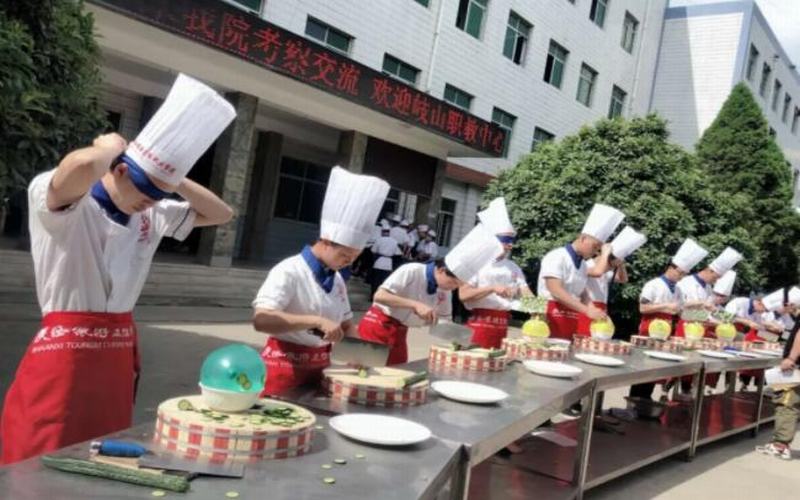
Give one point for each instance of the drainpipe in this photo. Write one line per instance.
(434, 46)
(636, 75)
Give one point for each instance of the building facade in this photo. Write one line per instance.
(707, 49)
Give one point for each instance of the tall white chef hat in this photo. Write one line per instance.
(794, 296)
(689, 255)
(478, 248)
(495, 217)
(773, 301)
(725, 261)
(187, 123)
(351, 207)
(602, 221)
(627, 242)
(724, 285)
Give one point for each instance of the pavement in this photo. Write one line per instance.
(175, 340)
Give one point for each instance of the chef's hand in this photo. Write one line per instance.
(113, 142)
(605, 250)
(331, 330)
(709, 306)
(787, 365)
(594, 313)
(504, 291)
(672, 308)
(427, 314)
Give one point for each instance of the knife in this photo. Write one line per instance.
(117, 452)
(357, 352)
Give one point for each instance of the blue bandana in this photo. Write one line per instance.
(346, 273)
(142, 181)
(431, 279)
(751, 308)
(576, 259)
(507, 239)
(324, 276)
(670, 284)
(700, 280)
(103, 199)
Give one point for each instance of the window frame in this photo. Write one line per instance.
(535, 142)
(457, 91)
(551, 61)
(590, 95)
(400, 65)
(464, 16)
(593, 12)
(498, 115)
(625, 31)
(614, 99)
(787, 104)
(444, 232)
(520, 32)
(752, 62)
(763, 87)
(328, 30)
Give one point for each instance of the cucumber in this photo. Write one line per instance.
(185, 405)
(497, 353)
(87, 468)
(413, 379)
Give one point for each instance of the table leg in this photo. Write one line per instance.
(590, 404)
(698, 381)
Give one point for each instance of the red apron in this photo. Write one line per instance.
(562, 320)
(585, 324)
(711, 378)
(752, 336)
(489, 327)
(77, 381)
(644, 323)
(377, 326)
(290, 365)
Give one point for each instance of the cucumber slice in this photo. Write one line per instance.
(185, 405)
(339, 461)
(328, 480)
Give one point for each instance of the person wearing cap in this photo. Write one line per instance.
(303, 305)
(419, 294)
(597, 288)
(415, 238)
(427, 249)
(385, 250)
(563, 272)
(751, 318)
(786, 400)
(723, 289)
(95, 223)
(489, 293)
(659, 300)
(399, 232)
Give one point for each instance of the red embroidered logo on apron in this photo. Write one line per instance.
(144, 229)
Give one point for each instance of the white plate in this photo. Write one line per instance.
(467, 392)
(715, 354)
(748, 354)
(768, 352)
(552, 368)
(559, 341)
(380, 429)
(598, 359)
(666, 356)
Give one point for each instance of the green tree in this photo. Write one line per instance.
(49, 82)
(743, 160)
(629, 165)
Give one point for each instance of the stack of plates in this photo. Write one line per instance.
(599, 359)
(552, 368)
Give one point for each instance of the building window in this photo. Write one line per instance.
(617, 105)
(629, 28)
(556, 62)
(251, 5)
(424, 3)
(772, 132)
(114, 120)
(444, 222)
(517, 34)
(540, 135)
(598, 12)
(776, 92)
(391, 205)
(765, 73)
(470, 16)
(397, 68)
(795, 119)
(506, 122)
(301, 190)
(328, 36)
(752, 59)
(457, 97)
(586, 85)
(787, 103)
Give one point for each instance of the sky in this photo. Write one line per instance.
(783, 17)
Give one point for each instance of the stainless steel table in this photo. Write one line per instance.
(419, 471)
(482, 429)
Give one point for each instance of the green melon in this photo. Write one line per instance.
(694, 331)
(536, 328)
(659, 329)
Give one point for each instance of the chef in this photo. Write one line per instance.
(416, 236)
(695, 292)
(399, 232)
(95, 223)
(563, 272)
(597, 288)
(723, 288)
(489, 293)
(659, 300)
(385, 250)
(427, 249)
(419, 294)
(303, 304)
(752, 316)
